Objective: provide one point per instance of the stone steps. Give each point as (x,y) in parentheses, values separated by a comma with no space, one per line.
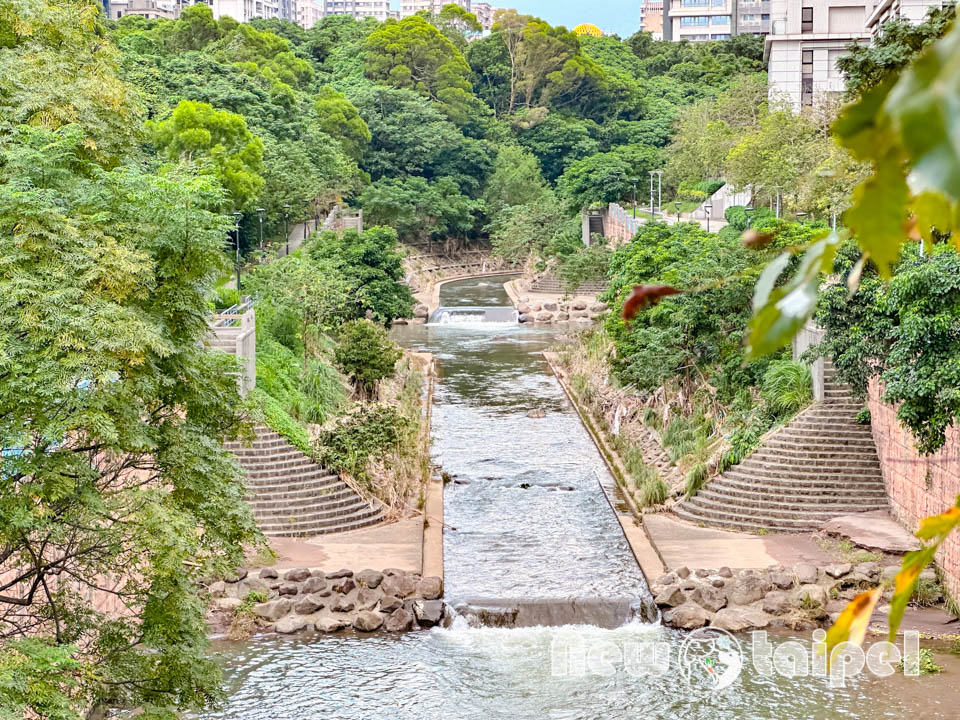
(292,496)
(820,465)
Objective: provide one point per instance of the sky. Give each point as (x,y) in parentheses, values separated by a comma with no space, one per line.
(620,16)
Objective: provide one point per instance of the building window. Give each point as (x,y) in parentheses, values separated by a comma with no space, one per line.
(806,91)
(806,19)
(694,20)
(721,19)
(694,3)
(806,62)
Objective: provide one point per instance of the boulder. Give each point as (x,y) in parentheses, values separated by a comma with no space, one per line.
(536,307)
(290,624)
(550,306)
(227,603)
(367,621)
(746,589)
(394,571)
(217,589)
(889,573)
(272,610)
(874,531)
(523,308)
(430,588)
(330,624)
(776,602)
(562,317)
(580,315)
(738,619)
(781,580)
(367,599)
(296,575)
(709,597)
(314,584)
(579,305)
(399,620)
(687,616)
(668,579)
(390,603)
(682,572)
(237,576)
(868,569)
(421,311)
(725,572)
(428,612)
(342,604)
(336,575)
(343,585)
(308,604)
(809,596)
(718,582)
(701,573)
(369,578)
(399,585)
(805,573)
(288,588)
(525,318)
(838,570)
(544,317)
(269,573)
(598,307)
(672,596)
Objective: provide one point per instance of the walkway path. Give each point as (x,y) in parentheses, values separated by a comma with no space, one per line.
(296,237)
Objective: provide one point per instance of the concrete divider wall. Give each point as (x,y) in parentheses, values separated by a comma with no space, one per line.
(918,486)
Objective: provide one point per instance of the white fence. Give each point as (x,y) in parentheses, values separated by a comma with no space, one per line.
(234,331)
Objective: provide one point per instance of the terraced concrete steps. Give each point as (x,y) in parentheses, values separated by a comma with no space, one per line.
(820,465)
(292,496)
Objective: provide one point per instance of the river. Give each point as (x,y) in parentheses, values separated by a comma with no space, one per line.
(531,531)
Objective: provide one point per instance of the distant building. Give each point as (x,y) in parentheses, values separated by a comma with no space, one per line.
(651,17)
(752,17)
(807,37)
(309,12)
(700,20)
(150,9)
(484,12)
(412,7)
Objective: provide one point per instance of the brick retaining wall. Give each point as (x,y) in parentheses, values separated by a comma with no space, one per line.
(918,485)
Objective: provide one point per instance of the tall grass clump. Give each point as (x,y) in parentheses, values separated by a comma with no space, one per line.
(787,386)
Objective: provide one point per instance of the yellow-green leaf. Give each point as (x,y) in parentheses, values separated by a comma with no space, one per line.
(913,564)
(933,211)
(851,626)
(878,212)
(941,524)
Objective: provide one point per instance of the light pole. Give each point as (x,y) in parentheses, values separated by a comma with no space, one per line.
(236,234)
(286,234)
(677,205)
(800,217)
(634,183)
(306,220)
(659,191)
(707,209)
(652,173)
(748,211)
(260,215)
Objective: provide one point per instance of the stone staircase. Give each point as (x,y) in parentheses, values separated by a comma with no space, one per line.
(820,465)
(292,496)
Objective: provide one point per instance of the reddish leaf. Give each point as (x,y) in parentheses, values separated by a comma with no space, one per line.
(645,296)
(757,240)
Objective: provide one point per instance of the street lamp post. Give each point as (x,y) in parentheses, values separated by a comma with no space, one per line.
(260,212)
(652,173)
(634,198)
(286,231)
(659,191)
(236,234)
(801,216)
(707,209)
(748,211)
(677,205)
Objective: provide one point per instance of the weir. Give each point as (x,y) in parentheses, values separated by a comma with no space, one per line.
(467,315)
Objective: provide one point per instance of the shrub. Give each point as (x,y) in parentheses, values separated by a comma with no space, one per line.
(365,353)
(786,386)
(696,479)
(268,410)
(863,416)
(309,396)
(225,297)
(366,433)
(654,491)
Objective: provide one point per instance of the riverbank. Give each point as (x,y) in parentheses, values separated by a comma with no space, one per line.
(740,581)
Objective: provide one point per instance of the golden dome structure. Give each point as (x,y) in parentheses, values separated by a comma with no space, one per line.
(588,29)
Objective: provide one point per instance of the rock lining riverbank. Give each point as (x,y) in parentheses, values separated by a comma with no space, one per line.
(304,599)
(803,597)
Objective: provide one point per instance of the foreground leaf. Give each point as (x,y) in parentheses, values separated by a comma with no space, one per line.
(851,626)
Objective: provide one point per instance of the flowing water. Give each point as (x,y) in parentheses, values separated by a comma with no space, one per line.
(531,536)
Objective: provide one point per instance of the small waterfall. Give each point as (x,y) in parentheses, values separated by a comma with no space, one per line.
(473,315)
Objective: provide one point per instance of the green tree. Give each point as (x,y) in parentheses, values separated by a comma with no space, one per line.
(365,353)
(197,132)
(457,24)
(112,412)
(416,207)
(413,54)
(372,266)
(194,30)
(340,119)
(516,180)
(607,177)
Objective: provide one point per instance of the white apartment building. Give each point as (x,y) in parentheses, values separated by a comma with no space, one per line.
(379,9)
(484,12)
(309,13)
(651,17)
(246,10)
(700,20)
(808,36)
(149,9)
(752,17)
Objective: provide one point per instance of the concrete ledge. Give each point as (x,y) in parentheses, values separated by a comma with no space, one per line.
(432,534)
(434,302)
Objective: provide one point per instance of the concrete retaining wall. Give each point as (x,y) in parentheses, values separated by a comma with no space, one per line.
(918,485)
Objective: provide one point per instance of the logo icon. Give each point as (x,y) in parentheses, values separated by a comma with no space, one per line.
(710,660)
